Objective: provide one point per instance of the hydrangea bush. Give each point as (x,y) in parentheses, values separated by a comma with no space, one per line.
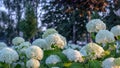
(53,51)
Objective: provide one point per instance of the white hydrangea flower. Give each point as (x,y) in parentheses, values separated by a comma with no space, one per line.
(2,45)
(104,36)
(95,25)
(108,63)
(32,63)
(92,50)
(49,32)
(57,40)
(116,62)
(41,43)
(73,46)
(111,63)
(23,46)
(53,59)
(17,40)
(116,30)
(73,55)
(8,55)
(34,52)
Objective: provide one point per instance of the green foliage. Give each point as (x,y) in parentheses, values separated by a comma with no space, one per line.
(29,25)
(67,64)
(94,64)
(55,65)
(1,65)
(93,36)
(18,66)
(54,52)
(76,65)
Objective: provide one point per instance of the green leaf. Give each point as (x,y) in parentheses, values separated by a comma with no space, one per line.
(77,65)
(18,66)
(94,64)
(56,65)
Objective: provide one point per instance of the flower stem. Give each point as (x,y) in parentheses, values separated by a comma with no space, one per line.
(8,65)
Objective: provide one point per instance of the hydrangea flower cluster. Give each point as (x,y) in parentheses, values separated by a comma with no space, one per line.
(92,50)
(108,63)
(8,55)
(95,25)
(53,59)
(2,45)
(41,43)
(116,62)
(73,55)
(17,40)
(57,40)
(49,32)
(73,46)
(34,52)
(116,30)
(104,36)
(32,63)
(111,63)
(22,47)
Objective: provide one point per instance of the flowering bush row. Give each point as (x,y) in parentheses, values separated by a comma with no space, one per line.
(53,51)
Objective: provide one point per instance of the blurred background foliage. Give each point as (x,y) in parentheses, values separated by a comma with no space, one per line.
(68,17)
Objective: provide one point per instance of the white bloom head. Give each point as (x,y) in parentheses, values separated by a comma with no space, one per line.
(116,30)
(73,46)
(92,50)
(111,63)
(41,43)
(17,40)
(2,45)
(23,46)
(53,59)
(104,36)
(8,55)
(73,55)
(34,52)
(57,40)
(32,63)
(108,63)
(95,25)
(116,62)
(49,32)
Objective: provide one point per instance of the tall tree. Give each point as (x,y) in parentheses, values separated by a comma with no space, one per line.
(29,25)
(71,25)
(7,28)
(69,17)
(19,6)
(15,6)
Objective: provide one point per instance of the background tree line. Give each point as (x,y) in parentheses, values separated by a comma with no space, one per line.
(69,17)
